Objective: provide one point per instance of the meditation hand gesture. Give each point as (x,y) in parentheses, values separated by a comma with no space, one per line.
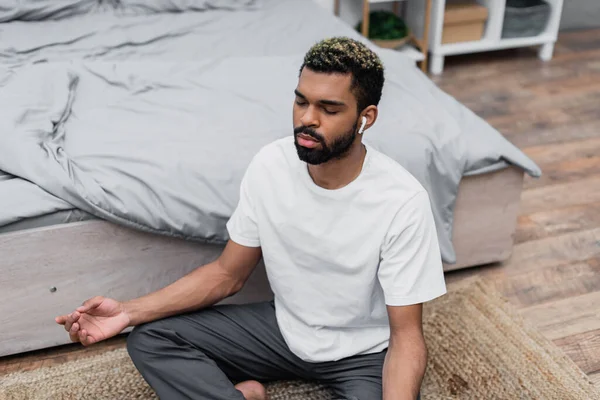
(99,318)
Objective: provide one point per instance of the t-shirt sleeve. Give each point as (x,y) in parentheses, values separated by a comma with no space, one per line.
(243,225)
(410,269)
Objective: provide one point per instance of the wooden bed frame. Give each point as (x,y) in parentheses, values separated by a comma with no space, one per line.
(50,271)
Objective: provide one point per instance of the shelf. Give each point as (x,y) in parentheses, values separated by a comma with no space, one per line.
(418,50)
(490,44)
(492,36)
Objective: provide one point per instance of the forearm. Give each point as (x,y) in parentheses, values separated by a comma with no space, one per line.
(200,288)
(404,368)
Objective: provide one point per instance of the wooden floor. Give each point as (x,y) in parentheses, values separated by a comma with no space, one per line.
(552,112)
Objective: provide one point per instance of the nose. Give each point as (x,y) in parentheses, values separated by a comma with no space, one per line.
(310,118)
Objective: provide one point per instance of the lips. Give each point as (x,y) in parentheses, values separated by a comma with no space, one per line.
(307,137)
(307,141)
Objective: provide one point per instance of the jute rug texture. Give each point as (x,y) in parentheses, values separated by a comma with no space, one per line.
(479,348)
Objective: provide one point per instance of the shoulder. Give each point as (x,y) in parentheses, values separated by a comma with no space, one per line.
(402,188)
(275,157)
(275,152)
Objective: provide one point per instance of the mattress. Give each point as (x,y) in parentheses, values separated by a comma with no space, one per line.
(42,221)
(106,82)
(27,206)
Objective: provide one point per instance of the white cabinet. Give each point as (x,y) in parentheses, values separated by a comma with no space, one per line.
(492,38)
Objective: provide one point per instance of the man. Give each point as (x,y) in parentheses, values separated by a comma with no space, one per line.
(350,249)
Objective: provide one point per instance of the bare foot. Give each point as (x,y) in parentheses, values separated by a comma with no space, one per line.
(252,390)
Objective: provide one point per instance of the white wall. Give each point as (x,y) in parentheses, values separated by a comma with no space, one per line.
(580,14)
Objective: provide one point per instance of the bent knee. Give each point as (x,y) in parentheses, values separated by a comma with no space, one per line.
(143,338)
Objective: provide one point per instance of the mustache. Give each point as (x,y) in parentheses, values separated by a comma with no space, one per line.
(310,132)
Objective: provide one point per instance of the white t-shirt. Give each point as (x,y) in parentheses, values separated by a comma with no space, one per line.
(335,258)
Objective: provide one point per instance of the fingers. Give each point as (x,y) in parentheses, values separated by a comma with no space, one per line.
(86,339)
(90,303)
(71,323)
(87,305)
(74,332)
(62,319)
(70,319)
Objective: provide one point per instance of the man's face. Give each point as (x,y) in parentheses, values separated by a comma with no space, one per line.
(325,116)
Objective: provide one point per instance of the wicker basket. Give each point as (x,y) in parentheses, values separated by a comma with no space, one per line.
(525,18)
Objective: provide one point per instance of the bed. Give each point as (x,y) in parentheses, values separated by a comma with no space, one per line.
(128,125)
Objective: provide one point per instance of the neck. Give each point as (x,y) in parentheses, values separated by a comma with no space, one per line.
(337,173)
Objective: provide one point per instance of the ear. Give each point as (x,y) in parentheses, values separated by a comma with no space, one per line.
(370,113)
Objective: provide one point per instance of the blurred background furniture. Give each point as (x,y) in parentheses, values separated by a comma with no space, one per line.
(414,47)
(506,23)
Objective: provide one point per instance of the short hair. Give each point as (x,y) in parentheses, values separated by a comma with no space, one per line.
(344,55)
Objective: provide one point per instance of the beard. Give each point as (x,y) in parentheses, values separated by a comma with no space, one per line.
(336,150)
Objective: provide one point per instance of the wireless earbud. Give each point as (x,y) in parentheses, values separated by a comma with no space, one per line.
(362,126)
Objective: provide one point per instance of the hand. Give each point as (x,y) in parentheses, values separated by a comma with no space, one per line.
(99,318)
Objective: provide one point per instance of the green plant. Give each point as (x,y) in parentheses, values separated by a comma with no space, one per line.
(385,25)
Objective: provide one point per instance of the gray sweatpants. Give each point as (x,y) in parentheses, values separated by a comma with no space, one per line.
(198,355)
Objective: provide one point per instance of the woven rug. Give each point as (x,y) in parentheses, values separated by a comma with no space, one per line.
(479,349)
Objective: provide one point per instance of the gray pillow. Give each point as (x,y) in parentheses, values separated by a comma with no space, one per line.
(39,10)
(140,7)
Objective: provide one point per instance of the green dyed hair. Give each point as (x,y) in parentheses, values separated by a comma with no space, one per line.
(343,55)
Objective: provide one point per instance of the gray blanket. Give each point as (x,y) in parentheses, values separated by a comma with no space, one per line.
(131,133)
